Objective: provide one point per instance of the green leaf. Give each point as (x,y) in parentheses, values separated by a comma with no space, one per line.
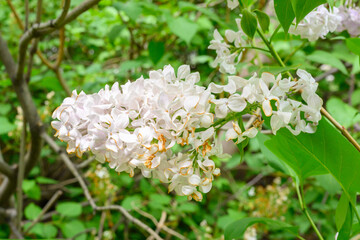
(45,180)
(32,211)
(355,97)
(345,231)
(69,209)
(263,19)
(5,108)
(303,7)
(237,229)
(131,8)
(183,28)
(6,126)
(31,189)
(327,58)
(156,51)
(329,183)
(114,32)
(285,13)
(341,211)
(131,201)
(354,45)
(248,23)
(327,147)
(273,160)
(69,229)
(342,112)
(241,147)
(46,231)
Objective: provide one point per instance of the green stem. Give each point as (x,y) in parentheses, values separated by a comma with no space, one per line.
(304,209)
(241,123)
(275,32)
(295,51)
(271,49)
(256,48)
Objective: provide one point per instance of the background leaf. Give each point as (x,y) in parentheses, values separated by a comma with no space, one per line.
(69,209)
(32,211)
(342,112)
(183,28)
(237,229)
(323,57)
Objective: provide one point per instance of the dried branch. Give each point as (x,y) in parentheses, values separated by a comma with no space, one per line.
(48,205)
(22,89)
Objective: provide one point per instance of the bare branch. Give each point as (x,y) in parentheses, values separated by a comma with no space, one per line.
(26,15)
(63,14)
(20,175)
(42,29)
(15,231)
(22,90)
(7,59)
(164,227)
(13,10)
(58,72)
(44,210)
(5,168)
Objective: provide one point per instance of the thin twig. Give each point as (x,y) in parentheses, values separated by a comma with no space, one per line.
(153,219)
(330,72)
(15,72)
(33,48)
(81,233)
(26,15)
(160,224)
(101,225)
(85,163)
(351,88)
(15,231)
(48,205)
(341,128)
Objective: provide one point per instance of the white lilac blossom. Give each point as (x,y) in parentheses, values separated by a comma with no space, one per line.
(228,50)
(350,20)
(136,125)
(232,4)
(272,95)
(318,23)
